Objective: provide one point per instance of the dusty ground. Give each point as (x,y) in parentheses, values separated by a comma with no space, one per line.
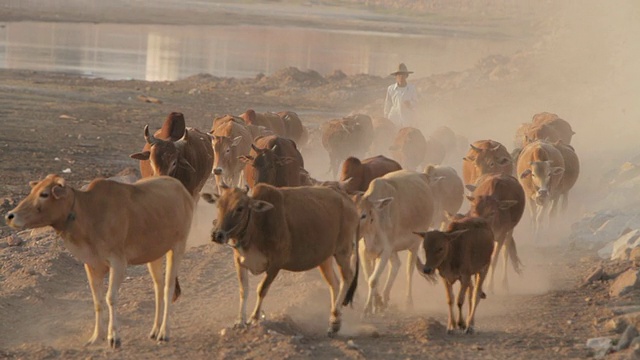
(52,122)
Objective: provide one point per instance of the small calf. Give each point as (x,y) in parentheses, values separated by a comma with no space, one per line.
(460,253)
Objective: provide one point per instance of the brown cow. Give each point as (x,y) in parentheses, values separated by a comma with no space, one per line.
(362,172)
(273,160)
(349,136)
(486,157)
(500,200)
(189,159)
(293,128)
(270,121)
(461,253)
(294,229)
(409,148)
(448,192)
(435,152)
(560,126)
(172,129)
(571,171)
(382,139)
(540,168)
(230,140)
(112,225)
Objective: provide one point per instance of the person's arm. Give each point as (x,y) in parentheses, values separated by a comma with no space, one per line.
(387,104)
(411,100)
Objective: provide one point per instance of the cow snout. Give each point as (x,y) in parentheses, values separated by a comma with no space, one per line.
(217,171)
(218,237)
(9,217)
(543,192)
(427,270)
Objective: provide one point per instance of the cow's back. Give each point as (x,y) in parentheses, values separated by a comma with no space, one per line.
(571,166)
(311,216)
(471,250)
(412,206)
(449,191)
(409,147)
(372,168)
(156,207)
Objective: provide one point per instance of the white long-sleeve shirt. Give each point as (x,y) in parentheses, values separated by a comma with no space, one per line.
(395,108)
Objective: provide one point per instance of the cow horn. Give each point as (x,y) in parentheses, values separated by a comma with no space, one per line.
(274,147)
(475,148)
(184,138)
(255,148)
(495,148)
(151,140)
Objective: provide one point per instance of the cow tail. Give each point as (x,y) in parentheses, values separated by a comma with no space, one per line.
(177,291)
(348,299)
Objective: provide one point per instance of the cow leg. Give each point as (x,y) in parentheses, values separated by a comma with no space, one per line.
(95,275)
(497,246)
(464,288)
(394,261)
(116,276)
(477,292)
(155,270)
(411,261)
(373,280)
(448,287)
(243,281)
(174,257)
(326,269)
(262,292)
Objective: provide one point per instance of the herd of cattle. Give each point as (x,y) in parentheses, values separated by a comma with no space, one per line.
(276,216)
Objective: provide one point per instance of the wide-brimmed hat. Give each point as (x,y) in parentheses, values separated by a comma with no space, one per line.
(402,69)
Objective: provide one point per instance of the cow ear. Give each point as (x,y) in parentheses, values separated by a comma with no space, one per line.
(525,173)
(422,234)
(557,171)
(141,155)
(505,204)
(469,158)
(381,203)
(210,198)
(260,205)
(58,191)
(247,159)
(236,140)
(357,196)
(470,187)
(33,183)
(284,160)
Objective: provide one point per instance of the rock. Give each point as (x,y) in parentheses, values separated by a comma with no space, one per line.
(634,256)
(601,346)
(635,348)
(14,240)
(625,282)
(352,345)
(622,246)
(596,274)
(617,325)
(629,334)
(606,251)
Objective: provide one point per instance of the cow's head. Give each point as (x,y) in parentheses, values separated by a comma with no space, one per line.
(165,156)
(225,156)
(488,206)
(490,160)
(50,202)
(352,174)
(265,163)
(437,246)
(540,174)
(371,214)
(235,207)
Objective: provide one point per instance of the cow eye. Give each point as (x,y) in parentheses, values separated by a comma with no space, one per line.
(228,151)
(491,164)
(44,195)
(239,209)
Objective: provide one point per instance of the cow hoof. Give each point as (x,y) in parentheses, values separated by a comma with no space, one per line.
(469,330)
(92,340)
(483,295)
(449,331)
(240,325)
(114,343)
(462,325)
(153,335)
(163,339)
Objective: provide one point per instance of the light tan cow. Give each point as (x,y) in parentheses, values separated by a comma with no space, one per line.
(462,253)
(393,207)
(230,139)
(448,192)
(486,157)
(112,225)
(294,229)
(540,168)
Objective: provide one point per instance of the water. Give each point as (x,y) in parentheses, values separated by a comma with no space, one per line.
(169,52)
